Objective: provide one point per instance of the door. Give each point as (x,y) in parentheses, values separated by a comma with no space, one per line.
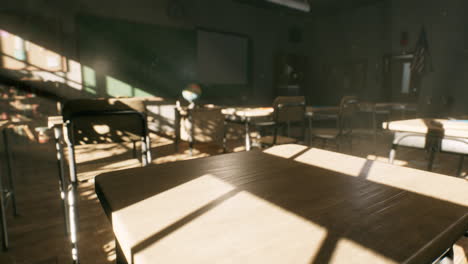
(400,83)
(290,74)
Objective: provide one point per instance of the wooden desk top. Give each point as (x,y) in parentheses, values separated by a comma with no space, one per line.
(54,121)
(451,128)
(266,111)
(248,111)
(289,204)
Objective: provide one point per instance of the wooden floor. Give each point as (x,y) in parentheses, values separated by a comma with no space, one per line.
(37,235)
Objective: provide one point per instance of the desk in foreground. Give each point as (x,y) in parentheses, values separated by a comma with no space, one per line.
(289,204)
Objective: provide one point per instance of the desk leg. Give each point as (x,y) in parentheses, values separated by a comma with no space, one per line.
(144,152)
(374,127)
(148,148)
(191,133)
(431,159)
(460,165)
(177,130)
(3,219)
(224,136)
(11,187)
(391,156)
(72,199)
(247,136)
(61,170)
(73,218)
(134,152)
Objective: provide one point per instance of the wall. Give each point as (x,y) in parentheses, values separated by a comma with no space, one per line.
(445,22)
(343,41)
(370,32)
(266,28)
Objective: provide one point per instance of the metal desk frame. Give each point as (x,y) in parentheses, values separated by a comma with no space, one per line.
(63,133)
(7,193)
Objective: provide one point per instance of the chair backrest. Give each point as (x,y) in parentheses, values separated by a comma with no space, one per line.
(206,123)
(289,109)
(348,107)
(92,121)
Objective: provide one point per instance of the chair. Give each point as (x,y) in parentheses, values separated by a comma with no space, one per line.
(288,110)
(344,124)
(199,124)
(92,121)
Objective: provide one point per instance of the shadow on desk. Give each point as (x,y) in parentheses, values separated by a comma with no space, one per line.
(297,201)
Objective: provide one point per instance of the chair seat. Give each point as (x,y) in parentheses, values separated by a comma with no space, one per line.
(326,133)
(268,140)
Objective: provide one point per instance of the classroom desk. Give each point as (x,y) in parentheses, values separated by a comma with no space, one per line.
(288,204)
(435,135)
(244,116)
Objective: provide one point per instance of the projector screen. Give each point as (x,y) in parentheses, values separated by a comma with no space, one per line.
(222,58)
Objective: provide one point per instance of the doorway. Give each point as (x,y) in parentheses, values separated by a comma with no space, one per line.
(400,84)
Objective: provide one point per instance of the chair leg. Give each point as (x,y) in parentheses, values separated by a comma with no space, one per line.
(134,152)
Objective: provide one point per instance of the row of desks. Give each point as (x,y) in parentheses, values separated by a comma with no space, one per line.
(246,115)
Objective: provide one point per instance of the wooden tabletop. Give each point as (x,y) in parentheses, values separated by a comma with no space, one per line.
(248,111)
(54,121)
(445,127)
(289,204)
(266,111)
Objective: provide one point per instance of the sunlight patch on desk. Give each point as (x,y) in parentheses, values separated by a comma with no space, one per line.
(416,181)
(350,252)
(247,236)
(283,152)
(167,207)
(385,159)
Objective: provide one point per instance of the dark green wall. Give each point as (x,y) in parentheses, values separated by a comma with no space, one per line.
(134,59)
